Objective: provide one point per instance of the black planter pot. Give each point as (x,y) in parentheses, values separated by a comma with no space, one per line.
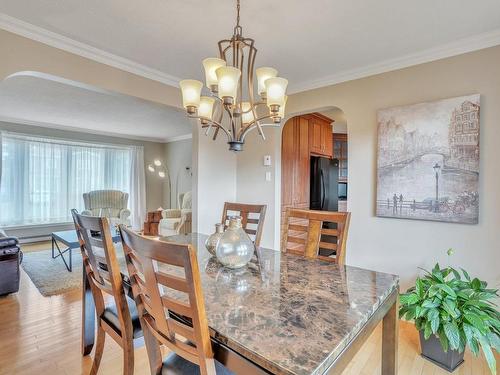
(432,350)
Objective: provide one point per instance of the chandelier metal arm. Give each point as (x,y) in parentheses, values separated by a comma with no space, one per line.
(252,127)
(212,123)
(254,124)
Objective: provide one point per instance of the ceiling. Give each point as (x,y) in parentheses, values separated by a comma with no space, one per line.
(313,43)
(43,100)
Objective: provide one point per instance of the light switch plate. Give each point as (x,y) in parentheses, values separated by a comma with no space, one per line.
(267,160)
(268,176)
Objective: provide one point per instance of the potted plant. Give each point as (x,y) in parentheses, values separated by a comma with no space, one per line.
(453,311)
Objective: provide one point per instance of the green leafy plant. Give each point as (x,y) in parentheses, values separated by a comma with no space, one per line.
(457,309)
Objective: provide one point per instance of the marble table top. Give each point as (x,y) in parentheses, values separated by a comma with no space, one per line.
(288,314)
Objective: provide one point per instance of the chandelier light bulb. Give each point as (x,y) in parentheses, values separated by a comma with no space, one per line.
(211,64)
(275,90)
(157,162)
(191,91)
(246,113)
(206,107)
(161,174)
(151,168)
(263,74)
(228,78)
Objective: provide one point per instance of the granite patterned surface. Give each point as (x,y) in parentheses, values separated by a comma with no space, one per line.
(288,314)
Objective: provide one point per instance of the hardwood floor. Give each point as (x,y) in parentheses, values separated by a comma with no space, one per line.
(42,335)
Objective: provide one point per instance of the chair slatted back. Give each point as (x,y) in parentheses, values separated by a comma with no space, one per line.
(316,234)
(101,266)
(252,218)
(165,280)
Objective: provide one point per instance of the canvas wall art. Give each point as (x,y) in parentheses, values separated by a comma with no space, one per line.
(428,161)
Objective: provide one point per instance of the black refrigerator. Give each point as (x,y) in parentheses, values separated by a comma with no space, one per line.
(324,193)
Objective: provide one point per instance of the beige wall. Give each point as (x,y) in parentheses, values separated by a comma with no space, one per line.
(392,245)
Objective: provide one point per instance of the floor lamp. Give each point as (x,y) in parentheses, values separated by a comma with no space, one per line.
(157,167)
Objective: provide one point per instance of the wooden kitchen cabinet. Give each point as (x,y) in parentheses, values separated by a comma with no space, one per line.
(320,135)
(295,162)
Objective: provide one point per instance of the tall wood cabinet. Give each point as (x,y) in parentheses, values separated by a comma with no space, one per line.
(295,163)
(302,137)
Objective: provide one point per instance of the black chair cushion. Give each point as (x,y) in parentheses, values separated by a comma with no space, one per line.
(176,365)
(110,316)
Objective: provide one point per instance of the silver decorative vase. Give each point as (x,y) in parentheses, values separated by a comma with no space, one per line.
(213,239)
(235,248)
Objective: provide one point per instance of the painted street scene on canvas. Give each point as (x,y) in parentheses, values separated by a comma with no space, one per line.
(428,161)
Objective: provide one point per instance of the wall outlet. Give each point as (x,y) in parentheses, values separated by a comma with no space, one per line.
(268,176)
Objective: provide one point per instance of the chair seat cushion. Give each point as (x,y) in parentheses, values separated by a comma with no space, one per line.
(176,365)
(110,316)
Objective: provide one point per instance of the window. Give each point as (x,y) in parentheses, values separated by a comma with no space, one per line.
(43,179)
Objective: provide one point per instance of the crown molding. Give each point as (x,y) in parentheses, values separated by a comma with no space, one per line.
(52,39)
(47,125)
(178,138)
(470,44)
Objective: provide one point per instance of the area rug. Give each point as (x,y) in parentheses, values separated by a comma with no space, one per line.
(51,277)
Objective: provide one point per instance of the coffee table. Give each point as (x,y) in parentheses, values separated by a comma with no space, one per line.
(70,240)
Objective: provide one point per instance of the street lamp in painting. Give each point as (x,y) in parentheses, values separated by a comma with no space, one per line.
(437,168)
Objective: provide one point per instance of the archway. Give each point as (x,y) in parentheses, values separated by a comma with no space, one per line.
(303,143)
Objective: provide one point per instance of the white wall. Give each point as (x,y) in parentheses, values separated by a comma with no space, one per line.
(252,186)
(214,179)
(394,245)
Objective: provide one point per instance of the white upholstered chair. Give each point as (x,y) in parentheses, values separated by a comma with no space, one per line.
(177,220)
(111,204)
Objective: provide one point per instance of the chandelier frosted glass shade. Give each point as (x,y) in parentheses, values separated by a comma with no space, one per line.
(228,78)
(231,108)
(246,113)
(275,91)
(210,65)
(191,91)
(263,74)
(206,107)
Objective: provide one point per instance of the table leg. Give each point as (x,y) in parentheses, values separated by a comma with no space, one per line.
(390,326)
(88,317)
(52,237)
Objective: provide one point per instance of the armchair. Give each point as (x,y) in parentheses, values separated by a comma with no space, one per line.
(108,203)
(177,221)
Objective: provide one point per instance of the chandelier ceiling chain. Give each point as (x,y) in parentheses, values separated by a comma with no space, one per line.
(227,108)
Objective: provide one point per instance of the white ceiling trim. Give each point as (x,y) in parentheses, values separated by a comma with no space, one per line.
(470,44)
(48,125)
(52,39)
(178,138)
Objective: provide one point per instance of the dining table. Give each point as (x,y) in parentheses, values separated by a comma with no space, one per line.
(286,314)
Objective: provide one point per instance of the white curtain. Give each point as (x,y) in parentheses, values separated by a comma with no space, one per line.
(44,178)
(137,188)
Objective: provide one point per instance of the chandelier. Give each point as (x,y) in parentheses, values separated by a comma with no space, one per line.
(230,107)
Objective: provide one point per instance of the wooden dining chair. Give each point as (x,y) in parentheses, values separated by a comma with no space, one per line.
(316,234)
(165,281)
(252,218)
(119,319)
